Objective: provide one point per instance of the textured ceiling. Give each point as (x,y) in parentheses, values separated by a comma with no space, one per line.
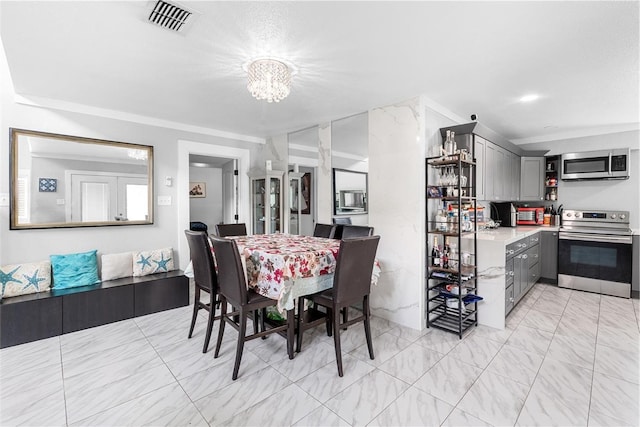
(469,57)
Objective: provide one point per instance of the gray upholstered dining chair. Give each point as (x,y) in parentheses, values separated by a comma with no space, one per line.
(324,230)
(232,288)
(351,285)
(349,231)
(227,230)
(205,278)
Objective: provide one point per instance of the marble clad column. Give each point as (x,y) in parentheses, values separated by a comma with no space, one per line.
(324,198)
(275,149)
(396,210)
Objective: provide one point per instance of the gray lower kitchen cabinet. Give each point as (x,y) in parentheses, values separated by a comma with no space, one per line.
(509,300)
(522,265)
(532,178)
(549,255)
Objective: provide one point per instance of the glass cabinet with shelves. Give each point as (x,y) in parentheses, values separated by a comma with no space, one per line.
(266,203)
(451,291)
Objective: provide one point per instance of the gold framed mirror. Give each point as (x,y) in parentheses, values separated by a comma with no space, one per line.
(68,181)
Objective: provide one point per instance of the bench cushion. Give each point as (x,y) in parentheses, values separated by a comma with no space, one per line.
(115,266)
(27,278)
(71,270)
(151,262)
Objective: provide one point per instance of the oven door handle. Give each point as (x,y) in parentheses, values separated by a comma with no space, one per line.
(609,162)
(595,238)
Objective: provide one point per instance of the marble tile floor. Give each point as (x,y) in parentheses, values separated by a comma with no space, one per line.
(566,358)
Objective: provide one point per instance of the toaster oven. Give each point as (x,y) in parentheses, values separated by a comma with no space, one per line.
(530,216)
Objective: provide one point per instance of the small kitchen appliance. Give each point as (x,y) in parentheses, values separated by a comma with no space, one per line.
(530,216)
(595,252)
(505,212)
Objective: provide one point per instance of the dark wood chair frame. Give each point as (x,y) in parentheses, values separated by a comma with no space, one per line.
(233,289)
(324,230)
(205,279)
(350,231)
(228,230)
(351,285)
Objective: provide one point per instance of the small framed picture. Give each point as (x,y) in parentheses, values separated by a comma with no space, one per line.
(197,189)
(48,185)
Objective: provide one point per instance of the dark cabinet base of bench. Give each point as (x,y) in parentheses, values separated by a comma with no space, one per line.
(38,316)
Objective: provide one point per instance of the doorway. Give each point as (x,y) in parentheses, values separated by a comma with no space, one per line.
(217,199)
(242,161)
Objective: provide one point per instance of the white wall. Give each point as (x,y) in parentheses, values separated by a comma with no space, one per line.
(207,209)
(606,195)
(33,245)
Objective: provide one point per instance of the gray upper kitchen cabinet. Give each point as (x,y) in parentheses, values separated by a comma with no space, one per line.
(512,188)
(479,151)
(532,178)
(489,170)
(500,176)
(499,173)
(495,171)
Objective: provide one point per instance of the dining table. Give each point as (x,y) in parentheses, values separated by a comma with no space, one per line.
(285,267)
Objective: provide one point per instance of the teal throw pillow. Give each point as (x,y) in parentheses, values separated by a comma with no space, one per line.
(74,270)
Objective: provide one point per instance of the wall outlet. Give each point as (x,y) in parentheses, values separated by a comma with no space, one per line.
(164,200)
(4,199)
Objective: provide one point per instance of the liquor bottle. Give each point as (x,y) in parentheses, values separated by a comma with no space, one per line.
(454,146)
(448,144)
(445,256)
(435,254)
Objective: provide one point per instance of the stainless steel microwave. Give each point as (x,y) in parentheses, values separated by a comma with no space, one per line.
(602,164)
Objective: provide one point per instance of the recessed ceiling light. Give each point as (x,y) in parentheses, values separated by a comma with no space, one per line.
(529,98)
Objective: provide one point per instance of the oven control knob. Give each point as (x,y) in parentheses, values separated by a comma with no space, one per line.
(622,216)
(614,216)
(578,214)
(569,214)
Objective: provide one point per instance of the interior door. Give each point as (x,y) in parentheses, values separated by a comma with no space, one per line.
(230,192)
(93,198)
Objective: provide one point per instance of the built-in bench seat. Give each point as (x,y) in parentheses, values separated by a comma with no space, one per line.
(32,317)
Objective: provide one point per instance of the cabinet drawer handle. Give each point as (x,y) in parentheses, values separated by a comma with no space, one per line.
(511,273)
(511,299)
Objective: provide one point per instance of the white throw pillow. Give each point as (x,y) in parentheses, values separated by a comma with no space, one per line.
(27,278)
(115,266)
(150,262)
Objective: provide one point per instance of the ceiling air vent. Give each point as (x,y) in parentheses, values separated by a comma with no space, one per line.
(169,16)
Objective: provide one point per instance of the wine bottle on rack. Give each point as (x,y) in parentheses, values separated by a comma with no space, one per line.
(445,257)
(435,253)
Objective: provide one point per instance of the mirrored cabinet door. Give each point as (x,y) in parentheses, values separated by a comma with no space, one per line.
(295,202)
(266,200)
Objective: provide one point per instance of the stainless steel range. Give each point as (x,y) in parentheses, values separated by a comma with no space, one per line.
(595,250)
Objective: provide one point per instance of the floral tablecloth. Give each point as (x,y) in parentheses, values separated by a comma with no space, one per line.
(286,266)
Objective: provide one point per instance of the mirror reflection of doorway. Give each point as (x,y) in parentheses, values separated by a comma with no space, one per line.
(220,204)
(97,197)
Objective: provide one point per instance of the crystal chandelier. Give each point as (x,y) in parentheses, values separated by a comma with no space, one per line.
(269,79)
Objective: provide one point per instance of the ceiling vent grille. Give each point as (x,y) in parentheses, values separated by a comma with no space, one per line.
(169,16)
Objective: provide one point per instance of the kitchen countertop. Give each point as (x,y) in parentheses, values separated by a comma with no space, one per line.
(508,235)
